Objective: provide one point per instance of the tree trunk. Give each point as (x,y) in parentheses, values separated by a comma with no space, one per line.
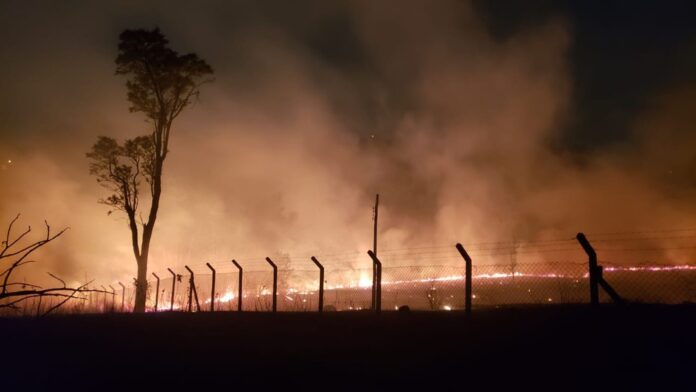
(148,228)
(141,286)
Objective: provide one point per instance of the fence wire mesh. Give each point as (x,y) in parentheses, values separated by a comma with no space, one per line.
(641,268)
(430,287)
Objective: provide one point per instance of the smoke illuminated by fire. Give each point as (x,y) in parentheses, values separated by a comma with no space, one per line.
(282,156)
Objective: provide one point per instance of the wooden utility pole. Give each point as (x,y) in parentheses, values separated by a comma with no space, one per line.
(374,250)
(374,240)
(378,280)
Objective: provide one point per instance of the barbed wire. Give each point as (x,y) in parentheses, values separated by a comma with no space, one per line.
(609,242)
(673,230)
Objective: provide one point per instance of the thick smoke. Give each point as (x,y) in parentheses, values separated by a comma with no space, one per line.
(316,108)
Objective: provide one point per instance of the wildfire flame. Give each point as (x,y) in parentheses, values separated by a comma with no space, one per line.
(365,282)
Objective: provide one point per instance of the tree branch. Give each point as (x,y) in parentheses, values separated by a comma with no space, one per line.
(18,265)
(27,251)
(57,278)
(7,244)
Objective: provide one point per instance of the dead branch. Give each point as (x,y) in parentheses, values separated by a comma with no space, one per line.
(57,278)
(7,244)
(23,284)
(23,253)
(10,248)
(18,265)
(72,295)
(63,292)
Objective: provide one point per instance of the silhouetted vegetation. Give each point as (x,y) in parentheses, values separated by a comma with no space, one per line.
(14,254)
(161,84)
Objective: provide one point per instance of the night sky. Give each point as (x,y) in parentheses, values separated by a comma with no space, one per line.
(623,53)
(477,120)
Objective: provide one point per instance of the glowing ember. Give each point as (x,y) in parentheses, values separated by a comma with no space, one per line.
(227,297)
(365,282)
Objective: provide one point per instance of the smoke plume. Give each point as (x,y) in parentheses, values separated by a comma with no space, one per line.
(315,109)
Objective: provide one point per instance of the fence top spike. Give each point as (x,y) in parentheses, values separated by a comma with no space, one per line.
(463,252)
(374,258)
(210,266)
(314,259)
(268,259)
(586,245)
(188,269)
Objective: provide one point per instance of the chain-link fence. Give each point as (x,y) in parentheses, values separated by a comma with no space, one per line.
(435,287)
(431,278)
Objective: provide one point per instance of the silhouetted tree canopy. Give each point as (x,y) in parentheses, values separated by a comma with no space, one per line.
(160,84)
(120,168)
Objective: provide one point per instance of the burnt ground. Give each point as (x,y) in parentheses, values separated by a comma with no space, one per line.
(560,348)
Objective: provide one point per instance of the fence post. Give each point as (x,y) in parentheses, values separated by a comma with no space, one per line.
(592,255)
(239,285)
(91,300)
(156,290)
(104,302)
(467,282)
(171,306)
(105,292)
(377,280)
(123,295)
(607,287)
(212,294)
(275,282)
(192,290)
(113,297)
(321,283)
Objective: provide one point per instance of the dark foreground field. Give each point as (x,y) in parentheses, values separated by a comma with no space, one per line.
(560,348)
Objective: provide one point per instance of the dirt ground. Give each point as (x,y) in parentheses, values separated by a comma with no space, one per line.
(561,348)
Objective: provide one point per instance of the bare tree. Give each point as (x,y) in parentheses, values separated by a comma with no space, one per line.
(161,83)
(14,254)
